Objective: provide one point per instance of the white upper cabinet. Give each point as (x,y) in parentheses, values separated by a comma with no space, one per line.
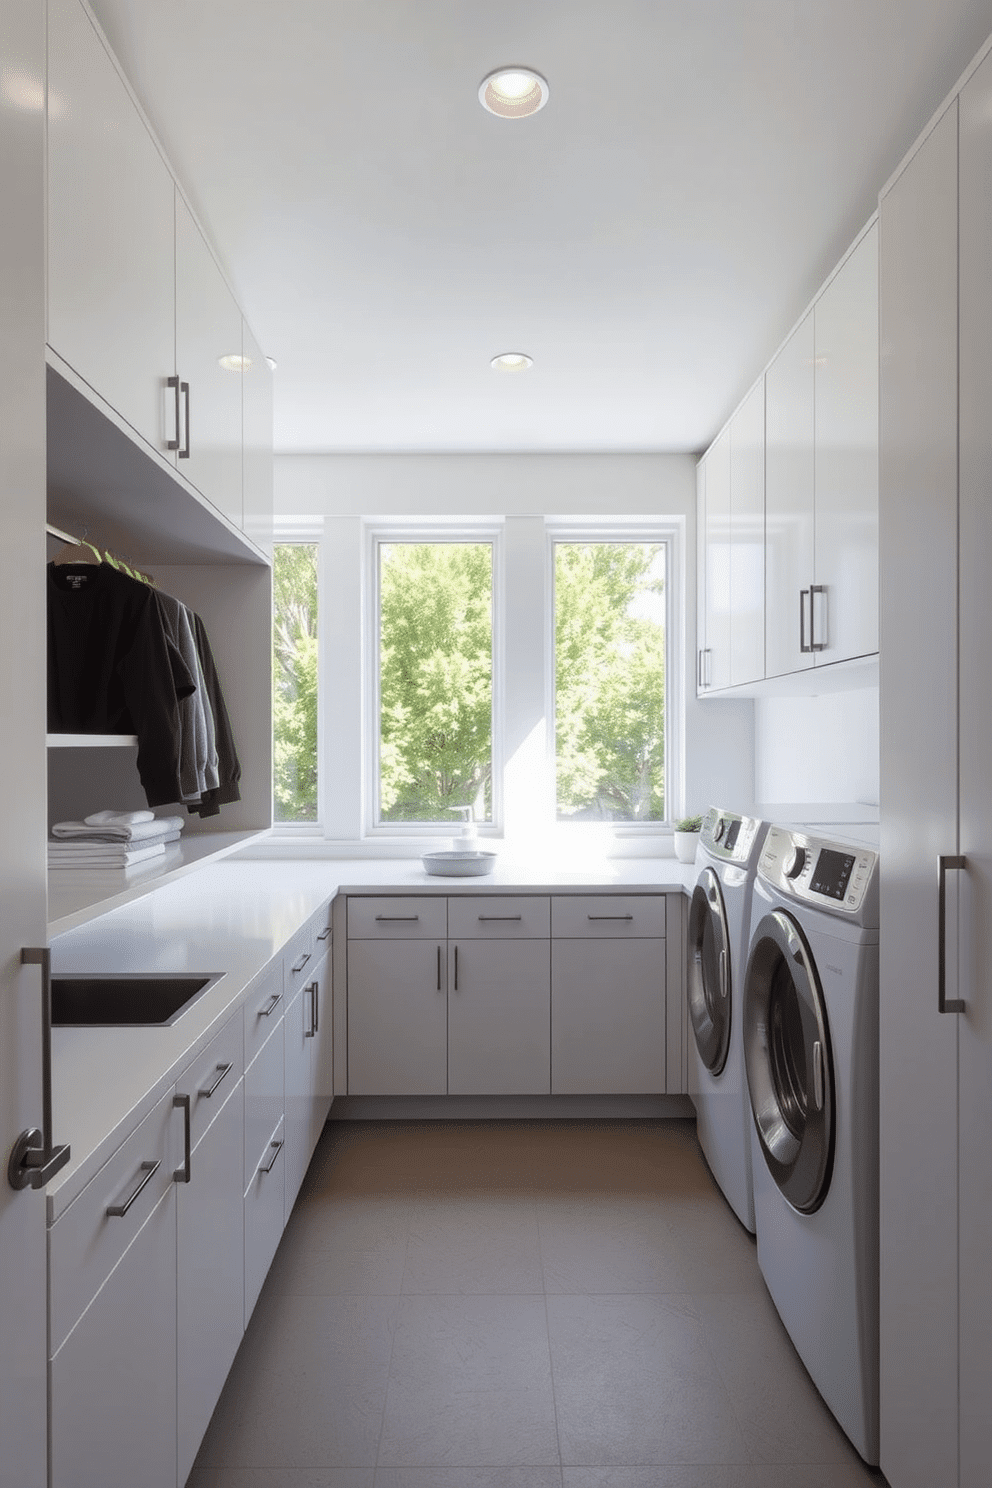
(111,232)
(208,329)
(845,451)
(800,507)
(715,531)
(747,538)
(788,498)
(256,387)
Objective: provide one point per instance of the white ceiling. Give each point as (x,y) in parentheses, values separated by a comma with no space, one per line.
(649,237)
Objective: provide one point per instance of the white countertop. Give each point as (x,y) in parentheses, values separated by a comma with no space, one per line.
(233,917)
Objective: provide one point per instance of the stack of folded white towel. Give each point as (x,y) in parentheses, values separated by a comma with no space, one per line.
(111,839)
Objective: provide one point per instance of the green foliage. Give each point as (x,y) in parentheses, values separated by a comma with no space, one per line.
(610,681)
(294,673)
(689,824)
(435,671)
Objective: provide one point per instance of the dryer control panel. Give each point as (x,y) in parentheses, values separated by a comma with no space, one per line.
(726,835)
(834,875)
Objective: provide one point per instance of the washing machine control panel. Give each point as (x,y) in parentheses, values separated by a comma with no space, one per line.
(726,835)
(836,875)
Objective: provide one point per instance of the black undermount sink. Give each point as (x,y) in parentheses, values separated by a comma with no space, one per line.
(141,999)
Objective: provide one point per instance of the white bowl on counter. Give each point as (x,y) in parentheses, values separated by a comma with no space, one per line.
(466,864)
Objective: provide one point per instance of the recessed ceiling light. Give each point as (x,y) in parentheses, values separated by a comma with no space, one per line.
(513,92)
(511,361)
(235,362)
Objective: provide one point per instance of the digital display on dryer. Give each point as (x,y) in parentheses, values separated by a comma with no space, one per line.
(832,873)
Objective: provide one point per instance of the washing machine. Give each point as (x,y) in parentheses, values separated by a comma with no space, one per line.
(719,923)
(811,1057)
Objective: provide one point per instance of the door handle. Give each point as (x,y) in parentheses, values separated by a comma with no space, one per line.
(803,645)
(945,864)
(183,1102)
(818,1075)
(184,389)
(34,1158)
(309,1032)
(173,383)
(222,1070)
(814,590)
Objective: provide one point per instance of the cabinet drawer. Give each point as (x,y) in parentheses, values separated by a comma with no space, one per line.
(263,1008)
(499,917)
(209,1080)
(399,918)
(601,916)
(86,1243)
(264,1097)
(265,1201)
(299,956)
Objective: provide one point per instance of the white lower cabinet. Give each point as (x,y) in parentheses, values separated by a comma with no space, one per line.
(527,995)
(210,1269)
(265,1165)
(499,1017)
(113,1319)
(298,1085)
(397,1017)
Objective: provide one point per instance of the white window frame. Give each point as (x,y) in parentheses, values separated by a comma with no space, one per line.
(309,532)
(427,530)
(668,533)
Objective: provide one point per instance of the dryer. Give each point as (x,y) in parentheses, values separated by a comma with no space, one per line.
(719,923)
(811,1055)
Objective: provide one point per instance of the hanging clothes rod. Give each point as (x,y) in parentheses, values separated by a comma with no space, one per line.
(66,537)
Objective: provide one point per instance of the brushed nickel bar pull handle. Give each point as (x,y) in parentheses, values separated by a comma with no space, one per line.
(818,1075)
(222,1070)
(609,917)
(324,934)
(456,968)
(173,382)
(814,644)
(184,389)
(149,1168)
(803,646)
(270,1006)
(267,1167)
(185,1173)
(301,963)
(945,864)
(34,1158)
(439,968)
(699,670)
(316,1006)
(309,1032)
(485,919)
(396,919)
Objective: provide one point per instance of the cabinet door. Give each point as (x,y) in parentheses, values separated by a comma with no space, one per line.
(208,328)
(23,1460)
(788,499)
(265,1214)
(747,539)
(322,1053)
(397,1017)
(211,1273)
(701,576)
(919,760)
(256,393)
(608,1017)
(299,1085)
(499,1017)
(111,231)
(113,1381)
(975,1026)
(716,662)
(846,458)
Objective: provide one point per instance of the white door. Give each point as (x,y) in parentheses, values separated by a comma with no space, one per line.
(845,614)
(717,543)
(788,501)
(975,1023)
(23,1326)
(747,538)
(918,1053)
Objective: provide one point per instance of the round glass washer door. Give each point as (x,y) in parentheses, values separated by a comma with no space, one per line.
(709,990)
(789,1066)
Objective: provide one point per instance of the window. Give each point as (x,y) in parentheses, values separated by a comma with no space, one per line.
(433,681)
(610,638)
(294,681)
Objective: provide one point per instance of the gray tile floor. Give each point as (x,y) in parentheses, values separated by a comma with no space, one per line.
(518,1305)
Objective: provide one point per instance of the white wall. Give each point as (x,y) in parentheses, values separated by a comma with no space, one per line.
(718,739)
(818,751)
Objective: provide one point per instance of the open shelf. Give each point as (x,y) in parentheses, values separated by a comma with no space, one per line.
(78,895)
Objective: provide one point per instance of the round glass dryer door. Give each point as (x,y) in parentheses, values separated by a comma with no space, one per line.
(709,989)
(789,1066)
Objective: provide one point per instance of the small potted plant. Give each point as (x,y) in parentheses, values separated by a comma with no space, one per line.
(686,836)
